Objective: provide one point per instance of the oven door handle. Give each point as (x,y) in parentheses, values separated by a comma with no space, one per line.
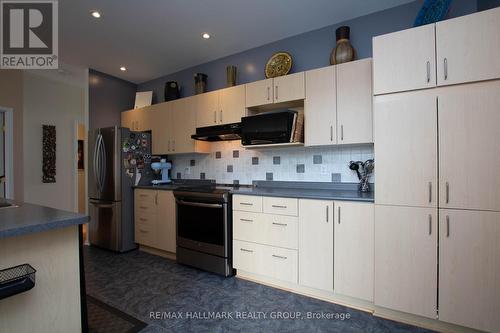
(198,204)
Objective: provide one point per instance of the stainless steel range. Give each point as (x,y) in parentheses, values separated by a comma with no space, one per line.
(204,228)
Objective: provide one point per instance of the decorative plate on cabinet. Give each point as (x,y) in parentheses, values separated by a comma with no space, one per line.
(278,65)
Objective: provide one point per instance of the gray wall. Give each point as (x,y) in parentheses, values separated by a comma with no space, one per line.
(108,97)
(309,50)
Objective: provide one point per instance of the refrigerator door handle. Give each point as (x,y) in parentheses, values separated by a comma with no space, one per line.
(100,205)
(95,162)
(102,168)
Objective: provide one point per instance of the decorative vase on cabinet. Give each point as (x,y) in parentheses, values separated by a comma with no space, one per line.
(343,51)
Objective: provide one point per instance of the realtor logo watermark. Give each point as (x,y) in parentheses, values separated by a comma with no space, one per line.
(29,34)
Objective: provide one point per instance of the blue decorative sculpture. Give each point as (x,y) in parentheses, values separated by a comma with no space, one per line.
(432,11)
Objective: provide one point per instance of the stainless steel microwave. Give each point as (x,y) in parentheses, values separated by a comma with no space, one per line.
(268,128)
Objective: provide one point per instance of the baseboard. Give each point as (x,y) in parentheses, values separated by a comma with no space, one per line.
(158,252)
(357,304)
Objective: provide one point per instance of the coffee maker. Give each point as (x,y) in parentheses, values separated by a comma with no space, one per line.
(162,168)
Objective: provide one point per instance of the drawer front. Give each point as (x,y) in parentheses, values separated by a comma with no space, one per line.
(144,206)
(281,264)
(145,219)
(145,195)
(282,206)
(248,257)
(248,226)
(281,231)
(247,203)
(145,234)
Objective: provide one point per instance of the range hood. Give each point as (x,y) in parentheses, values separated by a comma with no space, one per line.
(218,133)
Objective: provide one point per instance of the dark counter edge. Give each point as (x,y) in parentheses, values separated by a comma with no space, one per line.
(31,229)
(304,190)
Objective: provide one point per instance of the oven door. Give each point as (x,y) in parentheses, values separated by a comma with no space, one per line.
(202,226)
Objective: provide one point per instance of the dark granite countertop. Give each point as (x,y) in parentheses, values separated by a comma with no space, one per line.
(28,218)
(306,190)
(304,193)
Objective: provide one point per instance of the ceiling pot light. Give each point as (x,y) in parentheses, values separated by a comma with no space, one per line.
(205,35)
(95,14)
(123,68)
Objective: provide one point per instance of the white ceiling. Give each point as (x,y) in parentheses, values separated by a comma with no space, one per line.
(158,37)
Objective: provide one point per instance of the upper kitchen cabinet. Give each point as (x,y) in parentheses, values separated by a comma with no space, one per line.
(259,93)
(289,87)
(405,60)
(469,153)
(207,109)
(232,104)
(281,89)
(354,102)
(320,115)
(406,259)
(137,119)
(161,128)
(184,125)
(468,48)
(405,128)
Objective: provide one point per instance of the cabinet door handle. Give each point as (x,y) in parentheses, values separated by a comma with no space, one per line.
(280,224)
(279,257)
(327,214)
(339,213)
(168,145)
(144,231)
(447,192)
(246,204)
(143,219)
(268,93)
(144,195)
(221,116)
(215,117)
(342,132)
(246,220)
(430,224)
(447,226)
(331,133)
(143,207)
(246,250)
(445,61)
(173,145)
(430,192)
(276,93)
(428,71)
(278,206)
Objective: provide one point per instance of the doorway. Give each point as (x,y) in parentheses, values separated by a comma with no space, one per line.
(6,151)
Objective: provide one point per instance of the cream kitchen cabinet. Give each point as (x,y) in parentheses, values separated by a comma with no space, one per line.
(354,102)
(353,249)
(207,109)
(316,244)
(161,128)
(155,219)
(469,274)
(137,119)
(406,259)
(468,48)
(320,107)
(405,131)
(184,125)
(285,88)
(469,153)
(404,60)
(220,107)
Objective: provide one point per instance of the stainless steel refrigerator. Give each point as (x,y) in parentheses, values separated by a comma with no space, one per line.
(116,156)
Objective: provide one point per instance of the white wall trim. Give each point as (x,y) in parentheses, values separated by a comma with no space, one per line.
(9,152)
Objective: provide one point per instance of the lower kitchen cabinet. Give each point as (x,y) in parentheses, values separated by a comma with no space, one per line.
(353,249)
(155,219)
(275,262)
(406,259)
(316,244)
(469,273)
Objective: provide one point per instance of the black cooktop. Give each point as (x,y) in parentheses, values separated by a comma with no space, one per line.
(216,188)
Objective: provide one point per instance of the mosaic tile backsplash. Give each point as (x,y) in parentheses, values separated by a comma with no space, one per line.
(230,163)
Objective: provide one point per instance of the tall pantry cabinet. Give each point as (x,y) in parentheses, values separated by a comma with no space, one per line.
(438,168)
